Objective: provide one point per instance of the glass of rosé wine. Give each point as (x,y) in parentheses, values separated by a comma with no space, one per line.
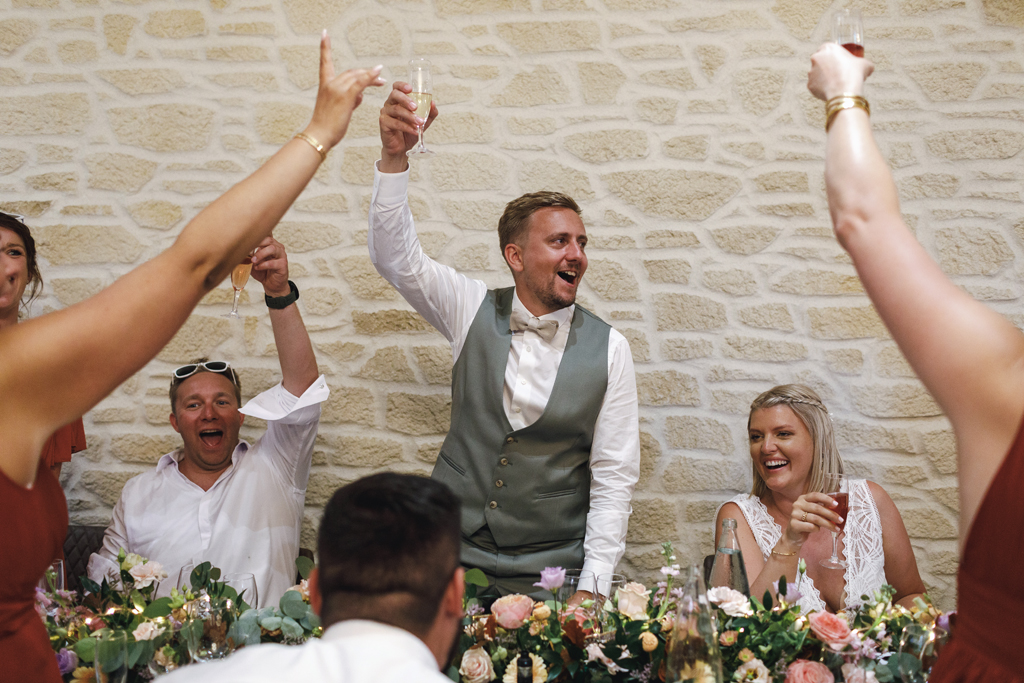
(837,487)
(240,276)
(848,30)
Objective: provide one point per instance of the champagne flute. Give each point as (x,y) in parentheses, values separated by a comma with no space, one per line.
(848,31)
(240,276)
(838,487)
(422,89)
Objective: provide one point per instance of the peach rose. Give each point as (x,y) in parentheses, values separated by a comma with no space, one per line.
(648,641)
(632,600)
(830,629)
(476,666)
(804,671)
(512,611)
(541,612)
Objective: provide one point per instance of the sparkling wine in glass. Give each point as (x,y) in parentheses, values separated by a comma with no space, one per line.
(240,276)
(422,89)
(838,487)
(848,31)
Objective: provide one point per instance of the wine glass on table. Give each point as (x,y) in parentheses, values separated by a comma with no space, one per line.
(848,31)
(422,89)
(240,276)
(244,585)
(838,488)
(919,648)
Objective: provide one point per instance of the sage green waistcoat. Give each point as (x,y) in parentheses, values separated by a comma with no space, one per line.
(530,485)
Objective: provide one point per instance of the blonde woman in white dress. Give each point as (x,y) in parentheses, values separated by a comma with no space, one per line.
(787,516)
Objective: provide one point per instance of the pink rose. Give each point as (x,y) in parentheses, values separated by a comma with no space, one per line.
(476,666)
(512,611)
(830,629)
(804,671)
(854,674)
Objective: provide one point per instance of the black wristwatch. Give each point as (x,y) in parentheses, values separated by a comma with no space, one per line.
(285,301)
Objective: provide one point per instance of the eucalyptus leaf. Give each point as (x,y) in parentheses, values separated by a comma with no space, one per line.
(292,605)
(290,628)
(271,623)
(85,649)
(158,608)
(304,565)
(475,577)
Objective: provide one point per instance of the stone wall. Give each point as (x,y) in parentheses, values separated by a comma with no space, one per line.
(685,129)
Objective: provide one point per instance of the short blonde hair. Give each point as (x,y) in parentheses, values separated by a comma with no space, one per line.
(808,406)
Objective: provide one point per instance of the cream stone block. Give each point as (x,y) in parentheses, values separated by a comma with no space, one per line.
(894,400)
(612,281)
(889,362)
(476,71)
(156,213)
(929,185)
(163,127)
(72,290)
(472,257)
(138,448)
(660,110)
(389,322)
(445,7)
(745,240)
(815,282)
(1003,12)
(117,29)
(419,414)
(365,452)
(178,23)
(758,349)
(903,475)
(940,446)
(75,244)
(322,300)
(976,144)
(923,522)
(734,281)
(653,521)
(299,237)
(278,122)
(87,210)
(16,32)
(325,203)
(550,175)
(11,160)
(845,361)
(667,239)
(602,146)
(322,485)
(469,171)
(388,365)
(947,81)
(199,336)
(58,182)
(670,193)
(28,209)
(374,35)
(248,28)
(303,63)
(873,437)
(54,154)
(645,52)
(669,271)
(362,277)
(948,496)
(677,79)
(750,150)
(349,405)
(124,414)
(686,349)
(531,37)
(104,484)
(639,347)
(461,127)
(737,19)
(51,114)
(260,81)
(446,93)
(121,172)
(543,85)
(712,58)
(428,452)
(357,164)
(972,251)
(650,454)
(474,214)
(851,322)
(310,16)
(194,186)
(77,52)
(688,312)
(667,388)
(782,181)
(704,511)
(760,89)
(687,147)
(767,317)
(685,431)
(437,48)
(913,7)
(341,351)
(435,363)
(800,16)
(688,475)
(238,53)
(10,76)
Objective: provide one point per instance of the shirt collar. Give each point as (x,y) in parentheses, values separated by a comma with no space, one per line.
(561,316)
(168,459)
(362,627)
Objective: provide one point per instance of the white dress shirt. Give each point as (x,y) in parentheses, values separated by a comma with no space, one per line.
(352,651)
(449,301)
(249,520)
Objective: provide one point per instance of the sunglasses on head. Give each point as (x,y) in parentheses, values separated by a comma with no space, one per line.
(14,216)
(215,366)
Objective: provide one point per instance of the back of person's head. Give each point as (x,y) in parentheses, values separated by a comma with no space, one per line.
(515,221)
(809,407)
(389,546)
(16,224)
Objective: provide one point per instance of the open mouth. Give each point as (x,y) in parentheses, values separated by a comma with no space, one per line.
(211,437)
(569,276)
(771,465)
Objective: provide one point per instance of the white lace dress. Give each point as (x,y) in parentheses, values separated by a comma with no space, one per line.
(865,557)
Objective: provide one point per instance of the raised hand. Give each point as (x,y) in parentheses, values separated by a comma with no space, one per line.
(337,97)
(398,121)
(834,71)
(270,267)
(811,511)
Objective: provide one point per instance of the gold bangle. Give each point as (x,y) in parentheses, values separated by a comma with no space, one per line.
(841,102)
(776,552)
(316,145)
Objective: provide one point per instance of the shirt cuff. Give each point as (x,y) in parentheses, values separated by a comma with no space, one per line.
(391,188)
(277,403)
(598,568)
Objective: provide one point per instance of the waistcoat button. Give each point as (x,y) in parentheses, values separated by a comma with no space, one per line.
(494,504)
(504,461)
(509,440)
(499,483)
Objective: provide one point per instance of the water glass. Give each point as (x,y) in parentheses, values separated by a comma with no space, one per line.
(245,585)
(607,600)
(111,657)
(919,648)
(575,580)
(206,630)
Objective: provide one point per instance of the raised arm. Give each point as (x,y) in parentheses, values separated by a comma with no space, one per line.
(50,376)
(969,358)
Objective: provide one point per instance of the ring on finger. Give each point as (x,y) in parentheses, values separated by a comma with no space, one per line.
(804,518)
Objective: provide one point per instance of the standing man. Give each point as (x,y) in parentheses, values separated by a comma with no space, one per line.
(544,441)
(219,499)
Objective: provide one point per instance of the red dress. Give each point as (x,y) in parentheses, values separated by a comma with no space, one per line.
(67,440)
(34,524)
(989,630)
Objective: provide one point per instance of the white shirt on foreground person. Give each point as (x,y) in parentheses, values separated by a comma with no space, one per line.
(248,522)
(449,301)
(353,651)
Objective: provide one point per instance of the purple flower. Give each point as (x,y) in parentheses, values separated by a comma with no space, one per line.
(67,661)
(551,578)
(793,594)
(943,620)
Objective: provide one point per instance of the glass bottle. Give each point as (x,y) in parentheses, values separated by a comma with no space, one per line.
(729,569)
(692,653)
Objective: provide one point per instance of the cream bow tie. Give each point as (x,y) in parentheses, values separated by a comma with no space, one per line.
(523,321)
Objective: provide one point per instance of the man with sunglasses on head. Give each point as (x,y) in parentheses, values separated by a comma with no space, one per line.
(217,498)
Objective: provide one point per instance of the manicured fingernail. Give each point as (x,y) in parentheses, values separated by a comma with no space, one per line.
(840,520)
(323,36)
(377,69)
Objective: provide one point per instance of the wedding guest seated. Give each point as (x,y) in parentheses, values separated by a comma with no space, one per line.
(970,358)
(218,498)
(788,515)
(388,591)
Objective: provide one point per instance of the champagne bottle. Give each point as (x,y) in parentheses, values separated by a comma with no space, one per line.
(729,569)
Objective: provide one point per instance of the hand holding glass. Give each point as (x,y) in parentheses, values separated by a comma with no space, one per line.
(422,89)
(848,31)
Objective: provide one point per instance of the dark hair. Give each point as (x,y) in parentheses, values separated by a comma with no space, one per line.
(515,220)
(229,373)
(388,545)
(35,278)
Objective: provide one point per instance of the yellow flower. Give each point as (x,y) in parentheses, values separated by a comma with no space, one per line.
(649,641)
(83,673)
(541,612)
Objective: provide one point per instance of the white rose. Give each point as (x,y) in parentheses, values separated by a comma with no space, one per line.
(734,603)
(753,671)
(633,600)
(147,630)
(130,560)
(145,574)
(476,666)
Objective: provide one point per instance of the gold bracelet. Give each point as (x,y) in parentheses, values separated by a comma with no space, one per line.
(776,552)
(841,102)
(316,145)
